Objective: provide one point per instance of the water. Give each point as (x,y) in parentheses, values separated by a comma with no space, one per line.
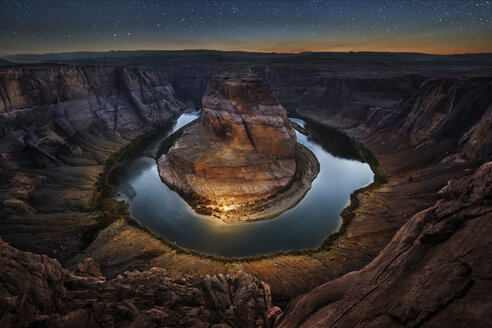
(306,225)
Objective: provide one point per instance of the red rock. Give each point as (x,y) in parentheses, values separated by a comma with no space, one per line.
(89,268)
(35,291)
(243,150)
(435,271)
(271,316)
(240,108)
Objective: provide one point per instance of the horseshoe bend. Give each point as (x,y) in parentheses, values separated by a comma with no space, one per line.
(235,189)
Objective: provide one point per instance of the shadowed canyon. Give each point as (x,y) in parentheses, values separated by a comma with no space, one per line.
(408,242)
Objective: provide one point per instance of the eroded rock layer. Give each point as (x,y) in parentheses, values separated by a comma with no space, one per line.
(431,274)
(243,149)
(36,291)
(58,126)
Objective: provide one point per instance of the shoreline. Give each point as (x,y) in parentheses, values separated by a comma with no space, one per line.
(347,214)
(117,210)
(307,169)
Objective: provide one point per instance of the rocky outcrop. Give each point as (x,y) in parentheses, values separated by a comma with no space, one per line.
(431,274)
(35,290)
(89,268)
(243,150)
(240,108)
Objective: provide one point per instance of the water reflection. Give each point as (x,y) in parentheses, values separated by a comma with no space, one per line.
(305,226)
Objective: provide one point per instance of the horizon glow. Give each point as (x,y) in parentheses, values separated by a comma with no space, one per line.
(438,27)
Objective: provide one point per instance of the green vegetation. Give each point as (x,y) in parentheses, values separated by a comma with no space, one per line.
(103,203)
(348,213)
(111,210)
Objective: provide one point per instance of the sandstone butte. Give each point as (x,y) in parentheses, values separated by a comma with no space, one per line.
(243,149)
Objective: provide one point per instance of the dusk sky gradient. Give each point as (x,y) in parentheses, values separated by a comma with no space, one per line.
(440,27)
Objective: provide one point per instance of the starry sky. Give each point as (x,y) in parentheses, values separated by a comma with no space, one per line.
(440,27)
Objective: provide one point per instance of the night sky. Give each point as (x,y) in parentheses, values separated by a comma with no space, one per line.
(281,26)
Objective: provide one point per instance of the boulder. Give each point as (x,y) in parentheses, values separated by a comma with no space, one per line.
(89,268)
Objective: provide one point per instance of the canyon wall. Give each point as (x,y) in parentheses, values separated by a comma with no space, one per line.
(58,125)
(434,273)
(426,110)
(190,82)
(453,109)
(43,106)
(353,94)
(289,83)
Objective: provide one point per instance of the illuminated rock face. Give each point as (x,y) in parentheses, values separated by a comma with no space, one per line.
(241,109)
(243,149)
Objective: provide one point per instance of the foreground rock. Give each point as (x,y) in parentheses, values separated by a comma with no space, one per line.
(434,273)
(242,151)
(35,291)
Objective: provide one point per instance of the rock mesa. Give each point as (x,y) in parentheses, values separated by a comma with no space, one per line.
(242,150)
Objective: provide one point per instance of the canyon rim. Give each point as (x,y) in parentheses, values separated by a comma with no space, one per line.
(330,165)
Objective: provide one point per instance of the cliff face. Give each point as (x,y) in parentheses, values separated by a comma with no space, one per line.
(434,273)
(58,124)
(477,141)
(452,108)
(243,149)
(190,82)
(42,106)
(289,83)
(101,90)
(425,110)
(353,94)
(241,109)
